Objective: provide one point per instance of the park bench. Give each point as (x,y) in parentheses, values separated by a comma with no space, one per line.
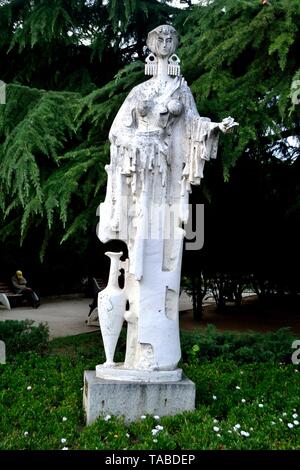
(8,297)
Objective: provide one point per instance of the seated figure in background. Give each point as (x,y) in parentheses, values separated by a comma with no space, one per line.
(20,287)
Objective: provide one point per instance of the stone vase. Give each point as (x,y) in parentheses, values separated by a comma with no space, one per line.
(111,309)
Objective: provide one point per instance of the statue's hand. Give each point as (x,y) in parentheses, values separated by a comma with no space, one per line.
(228,125)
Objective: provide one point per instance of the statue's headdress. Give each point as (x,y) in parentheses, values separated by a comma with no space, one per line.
(151,60)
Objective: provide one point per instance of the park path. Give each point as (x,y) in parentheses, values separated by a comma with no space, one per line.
(65,316)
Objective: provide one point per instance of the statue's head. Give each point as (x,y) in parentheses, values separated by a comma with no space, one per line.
(163,40)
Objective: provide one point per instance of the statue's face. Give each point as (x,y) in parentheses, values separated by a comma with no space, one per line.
(164,45)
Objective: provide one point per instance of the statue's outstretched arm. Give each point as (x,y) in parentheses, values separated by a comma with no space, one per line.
(226,125)
(202,140)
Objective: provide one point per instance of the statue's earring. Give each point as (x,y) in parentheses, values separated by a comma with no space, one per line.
(174,65)
(151,65)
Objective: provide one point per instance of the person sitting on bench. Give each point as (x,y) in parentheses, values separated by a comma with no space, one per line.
(20,286)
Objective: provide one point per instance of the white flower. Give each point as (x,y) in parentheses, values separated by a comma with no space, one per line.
(273,422)
(236,426)
(214,397)
(154,432)
(238,388)
(280,419)
(64,418)
(296,423)
(29,388)
(154,440)
(229,430)
(156,417)
(26,433)
(216,421)
(127,434)
(290,425)
(241,372)
(107,418)
(260,405)
(219,435)
(81,388)
(284,414)
(63,440)
(245,433)
(294,410)
(243,400)
(65,448)
(159,427)
(143,417)
(296,370)
(295,415)
(216,429)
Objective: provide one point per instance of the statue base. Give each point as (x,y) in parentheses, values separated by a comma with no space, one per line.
(121,373)
(131,400)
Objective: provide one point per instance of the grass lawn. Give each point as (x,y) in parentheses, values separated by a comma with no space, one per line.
(240,404)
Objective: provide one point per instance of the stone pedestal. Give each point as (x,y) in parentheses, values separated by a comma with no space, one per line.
(121,373)
(131,400)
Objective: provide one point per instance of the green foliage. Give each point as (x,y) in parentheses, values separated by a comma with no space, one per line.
(242,348)
(73,44)
(21,336)
(44,22)
(241,59)
(53,142)
(40,150)
(58,137)
(69,66)
(248,397)
(41,404)
(36,399)
(41,132)
(123,12)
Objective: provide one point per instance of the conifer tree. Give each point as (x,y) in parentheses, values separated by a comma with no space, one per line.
(70,64)
(66,68)
(241,58)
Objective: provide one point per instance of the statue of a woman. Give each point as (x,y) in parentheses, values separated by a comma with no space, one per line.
(159,145)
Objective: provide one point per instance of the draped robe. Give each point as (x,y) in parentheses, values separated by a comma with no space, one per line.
(159,145)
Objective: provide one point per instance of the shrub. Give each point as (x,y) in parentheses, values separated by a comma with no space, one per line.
(242,348)
(22,336)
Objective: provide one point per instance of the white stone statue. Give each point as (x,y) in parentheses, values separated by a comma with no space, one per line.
(159,145)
